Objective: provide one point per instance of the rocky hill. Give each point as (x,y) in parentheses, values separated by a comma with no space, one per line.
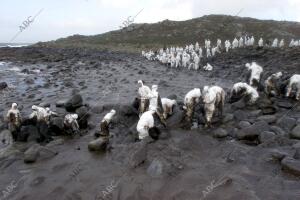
(145,36)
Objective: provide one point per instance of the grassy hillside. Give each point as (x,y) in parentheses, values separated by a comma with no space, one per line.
(146,36)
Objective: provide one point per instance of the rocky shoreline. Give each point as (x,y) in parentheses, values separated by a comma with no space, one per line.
(251,153)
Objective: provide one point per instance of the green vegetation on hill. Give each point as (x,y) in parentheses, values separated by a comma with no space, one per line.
(166,33)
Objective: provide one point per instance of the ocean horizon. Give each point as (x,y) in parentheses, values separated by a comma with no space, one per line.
(14,44)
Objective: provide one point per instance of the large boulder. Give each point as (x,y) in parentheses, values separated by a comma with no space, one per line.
(295,133)
(74,102)
(253,131)
(291,166)
(83,115)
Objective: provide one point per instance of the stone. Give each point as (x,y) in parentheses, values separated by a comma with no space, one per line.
(61,103)
(269,110)
(99,144)
(3,85)
(83,115)
(286,123)
(155,169)
(291,165)
(277,130)
(284,104)
(268,118)
(278,155)
(265,136)
(220,133)
(295,133)
(57,125)
(243,124)
(29,80)
(297,154)
(73,103)
(228,117)
(241,115)
(253,131)
(31,154)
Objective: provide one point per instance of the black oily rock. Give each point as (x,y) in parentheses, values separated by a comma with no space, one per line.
(3,85)
(269,110)
(265,136)
(244,124)
(295,133)
(99,144)
(74,102)
(268,118)
(29,80)
(253,131)
(31,154)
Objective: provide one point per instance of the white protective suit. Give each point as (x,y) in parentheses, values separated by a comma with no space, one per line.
(146,121)
(294,82)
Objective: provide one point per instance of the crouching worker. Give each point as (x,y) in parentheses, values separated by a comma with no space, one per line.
(156,104)
(146,126)
(190,101)
(294,83)
(213,98)
(168,105)
(144,94)
(70,124)
(102,141)
(14,121)
(42,118)
(271,84)
(244,91)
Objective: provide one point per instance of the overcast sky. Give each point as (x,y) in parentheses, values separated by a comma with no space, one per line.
(61,18)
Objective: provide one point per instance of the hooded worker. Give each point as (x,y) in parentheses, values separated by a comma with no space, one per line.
(156,104)
(71,124)
(294,82)
(144,94)
(275,43)
(255,74)
(213,98)
(14,121)
(190,101)
(104,125)
(244,91)
(42,117)
(260,42)
(271,85)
